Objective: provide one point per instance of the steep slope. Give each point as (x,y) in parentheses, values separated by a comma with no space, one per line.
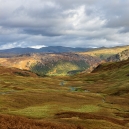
(51,64)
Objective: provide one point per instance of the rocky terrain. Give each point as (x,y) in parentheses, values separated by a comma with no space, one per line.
(124,55)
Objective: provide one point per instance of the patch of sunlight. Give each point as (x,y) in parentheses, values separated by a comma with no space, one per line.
(34,112)
(85,108)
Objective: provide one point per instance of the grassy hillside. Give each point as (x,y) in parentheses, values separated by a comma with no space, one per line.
(104,53)
(98,100)
(16,71)
(59,68)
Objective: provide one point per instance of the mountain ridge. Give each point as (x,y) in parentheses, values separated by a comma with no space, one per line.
(49,49)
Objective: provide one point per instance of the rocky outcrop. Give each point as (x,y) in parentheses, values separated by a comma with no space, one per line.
(124,55)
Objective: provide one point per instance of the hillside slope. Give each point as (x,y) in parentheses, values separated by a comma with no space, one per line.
(111,78)
(16,72)
(124,55)
(104,53)
(51,64)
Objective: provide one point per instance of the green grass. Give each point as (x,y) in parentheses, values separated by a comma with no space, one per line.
(34,112)
(48,111)
(84,108)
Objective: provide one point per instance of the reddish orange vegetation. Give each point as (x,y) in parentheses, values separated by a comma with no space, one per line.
(16,71)
(124,115)
(90,116)
(15,122)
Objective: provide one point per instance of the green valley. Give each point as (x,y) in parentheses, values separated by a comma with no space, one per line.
(60,68)
(97,100)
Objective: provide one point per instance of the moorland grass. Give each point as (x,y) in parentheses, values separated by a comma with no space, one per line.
(44,97)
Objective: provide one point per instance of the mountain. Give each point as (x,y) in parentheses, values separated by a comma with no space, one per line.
(124,55)
(54,61)
(51,64)
(50,49)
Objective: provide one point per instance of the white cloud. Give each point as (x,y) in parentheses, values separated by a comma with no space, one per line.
(37,46)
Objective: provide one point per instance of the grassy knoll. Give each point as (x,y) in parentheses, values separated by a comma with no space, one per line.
(98,100)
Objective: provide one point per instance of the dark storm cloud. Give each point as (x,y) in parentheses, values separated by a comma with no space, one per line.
(75,23)
(44,31)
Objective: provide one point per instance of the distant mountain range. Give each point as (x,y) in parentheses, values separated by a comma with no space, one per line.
(50,49)
(58,60)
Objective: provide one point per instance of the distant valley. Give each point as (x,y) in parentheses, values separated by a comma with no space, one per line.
(59,60)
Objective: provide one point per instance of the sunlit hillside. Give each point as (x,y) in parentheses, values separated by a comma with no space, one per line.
(103,53)
(51,64)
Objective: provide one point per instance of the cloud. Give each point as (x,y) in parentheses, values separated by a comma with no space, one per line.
(116,13)
(74,23)
(37,46)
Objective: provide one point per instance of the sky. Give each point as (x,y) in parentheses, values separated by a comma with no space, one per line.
(70,23)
